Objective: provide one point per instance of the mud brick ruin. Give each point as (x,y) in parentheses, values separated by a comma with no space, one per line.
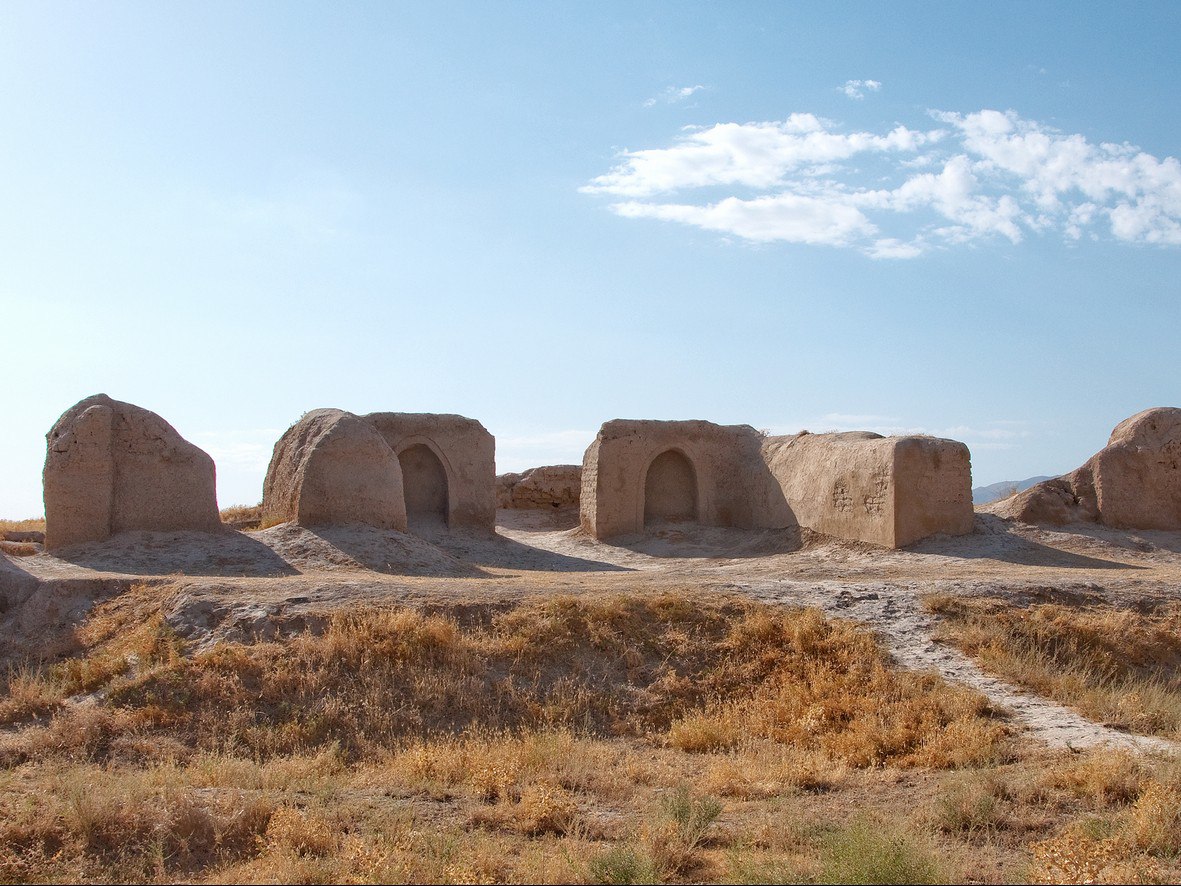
(111,466)
(889,491)
(392,470)
(1134,482)
(552,486)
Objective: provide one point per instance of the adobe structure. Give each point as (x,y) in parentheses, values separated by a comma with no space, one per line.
(333,467)
(552,486)
(889,491)
(111,466)
(1132,483)
(387,469)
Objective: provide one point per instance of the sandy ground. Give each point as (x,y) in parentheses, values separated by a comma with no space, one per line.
(235,585)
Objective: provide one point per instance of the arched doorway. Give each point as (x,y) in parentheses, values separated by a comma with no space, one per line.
(424,484)
(670,489)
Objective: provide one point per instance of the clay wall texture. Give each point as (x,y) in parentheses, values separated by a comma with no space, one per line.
(1132,483)
(616,467)
(889,491)
(111,466)
(464,449)
(387,469)
(552,486)
(330,468)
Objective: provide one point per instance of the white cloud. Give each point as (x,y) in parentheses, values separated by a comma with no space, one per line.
(898,194)
(790,217)
(855,89)
(757,155)
(670,95)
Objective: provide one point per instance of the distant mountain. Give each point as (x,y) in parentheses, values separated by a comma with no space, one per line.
(982,495)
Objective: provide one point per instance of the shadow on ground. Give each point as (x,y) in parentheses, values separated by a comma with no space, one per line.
(497,551)
(693,541)
(223,553)
(994,538)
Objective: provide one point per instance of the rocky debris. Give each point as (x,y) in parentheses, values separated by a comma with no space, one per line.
(112,466)
(552,486)
(1132,483)
(207,620)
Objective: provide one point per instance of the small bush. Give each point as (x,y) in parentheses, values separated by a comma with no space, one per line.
(622,865)
(865,852)
(968,805)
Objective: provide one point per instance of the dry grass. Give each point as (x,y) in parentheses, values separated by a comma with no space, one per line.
(643,739)
(698,677)
(243,515)
(1118,666)
(33,524)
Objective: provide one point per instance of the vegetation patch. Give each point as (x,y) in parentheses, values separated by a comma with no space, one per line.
(1118,666)
(602,740)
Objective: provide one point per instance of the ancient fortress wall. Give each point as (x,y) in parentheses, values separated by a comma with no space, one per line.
(332,467)
(448,466)
(639,473)
(551,486)
(112,466)
(1132,483)
(888,491)
(392,470)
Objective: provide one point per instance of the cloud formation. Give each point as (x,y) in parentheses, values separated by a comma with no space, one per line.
(855,89)
(670,95)
(986,175)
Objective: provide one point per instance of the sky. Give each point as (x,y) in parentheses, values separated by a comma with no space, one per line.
(955,219)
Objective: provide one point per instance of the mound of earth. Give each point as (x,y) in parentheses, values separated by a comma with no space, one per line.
(1132,483)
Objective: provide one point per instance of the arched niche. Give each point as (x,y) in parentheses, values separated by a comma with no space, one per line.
(424,483)
(670,489)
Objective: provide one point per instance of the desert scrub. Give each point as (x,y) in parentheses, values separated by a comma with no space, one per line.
(865,851)
(702,676)
(33,524)
(1118,666)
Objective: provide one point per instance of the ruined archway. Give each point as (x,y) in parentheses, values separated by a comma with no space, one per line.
(424,481)
(670,489)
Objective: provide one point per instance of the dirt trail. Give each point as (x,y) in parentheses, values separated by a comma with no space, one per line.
(894,609)
(897,615)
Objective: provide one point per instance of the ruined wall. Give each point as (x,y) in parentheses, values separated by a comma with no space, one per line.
(889,491)
(333,468)
(552,486)
(1132,483)
(460,448)
(621,491)
(112,466)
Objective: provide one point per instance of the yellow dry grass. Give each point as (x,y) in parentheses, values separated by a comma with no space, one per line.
(698,677)
(1118,666)
(33,524)
(242,514)
(615,739)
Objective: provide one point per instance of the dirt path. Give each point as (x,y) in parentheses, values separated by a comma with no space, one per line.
(897,615)
(894,609)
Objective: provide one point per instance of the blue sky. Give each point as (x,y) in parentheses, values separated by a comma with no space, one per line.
(958,219)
